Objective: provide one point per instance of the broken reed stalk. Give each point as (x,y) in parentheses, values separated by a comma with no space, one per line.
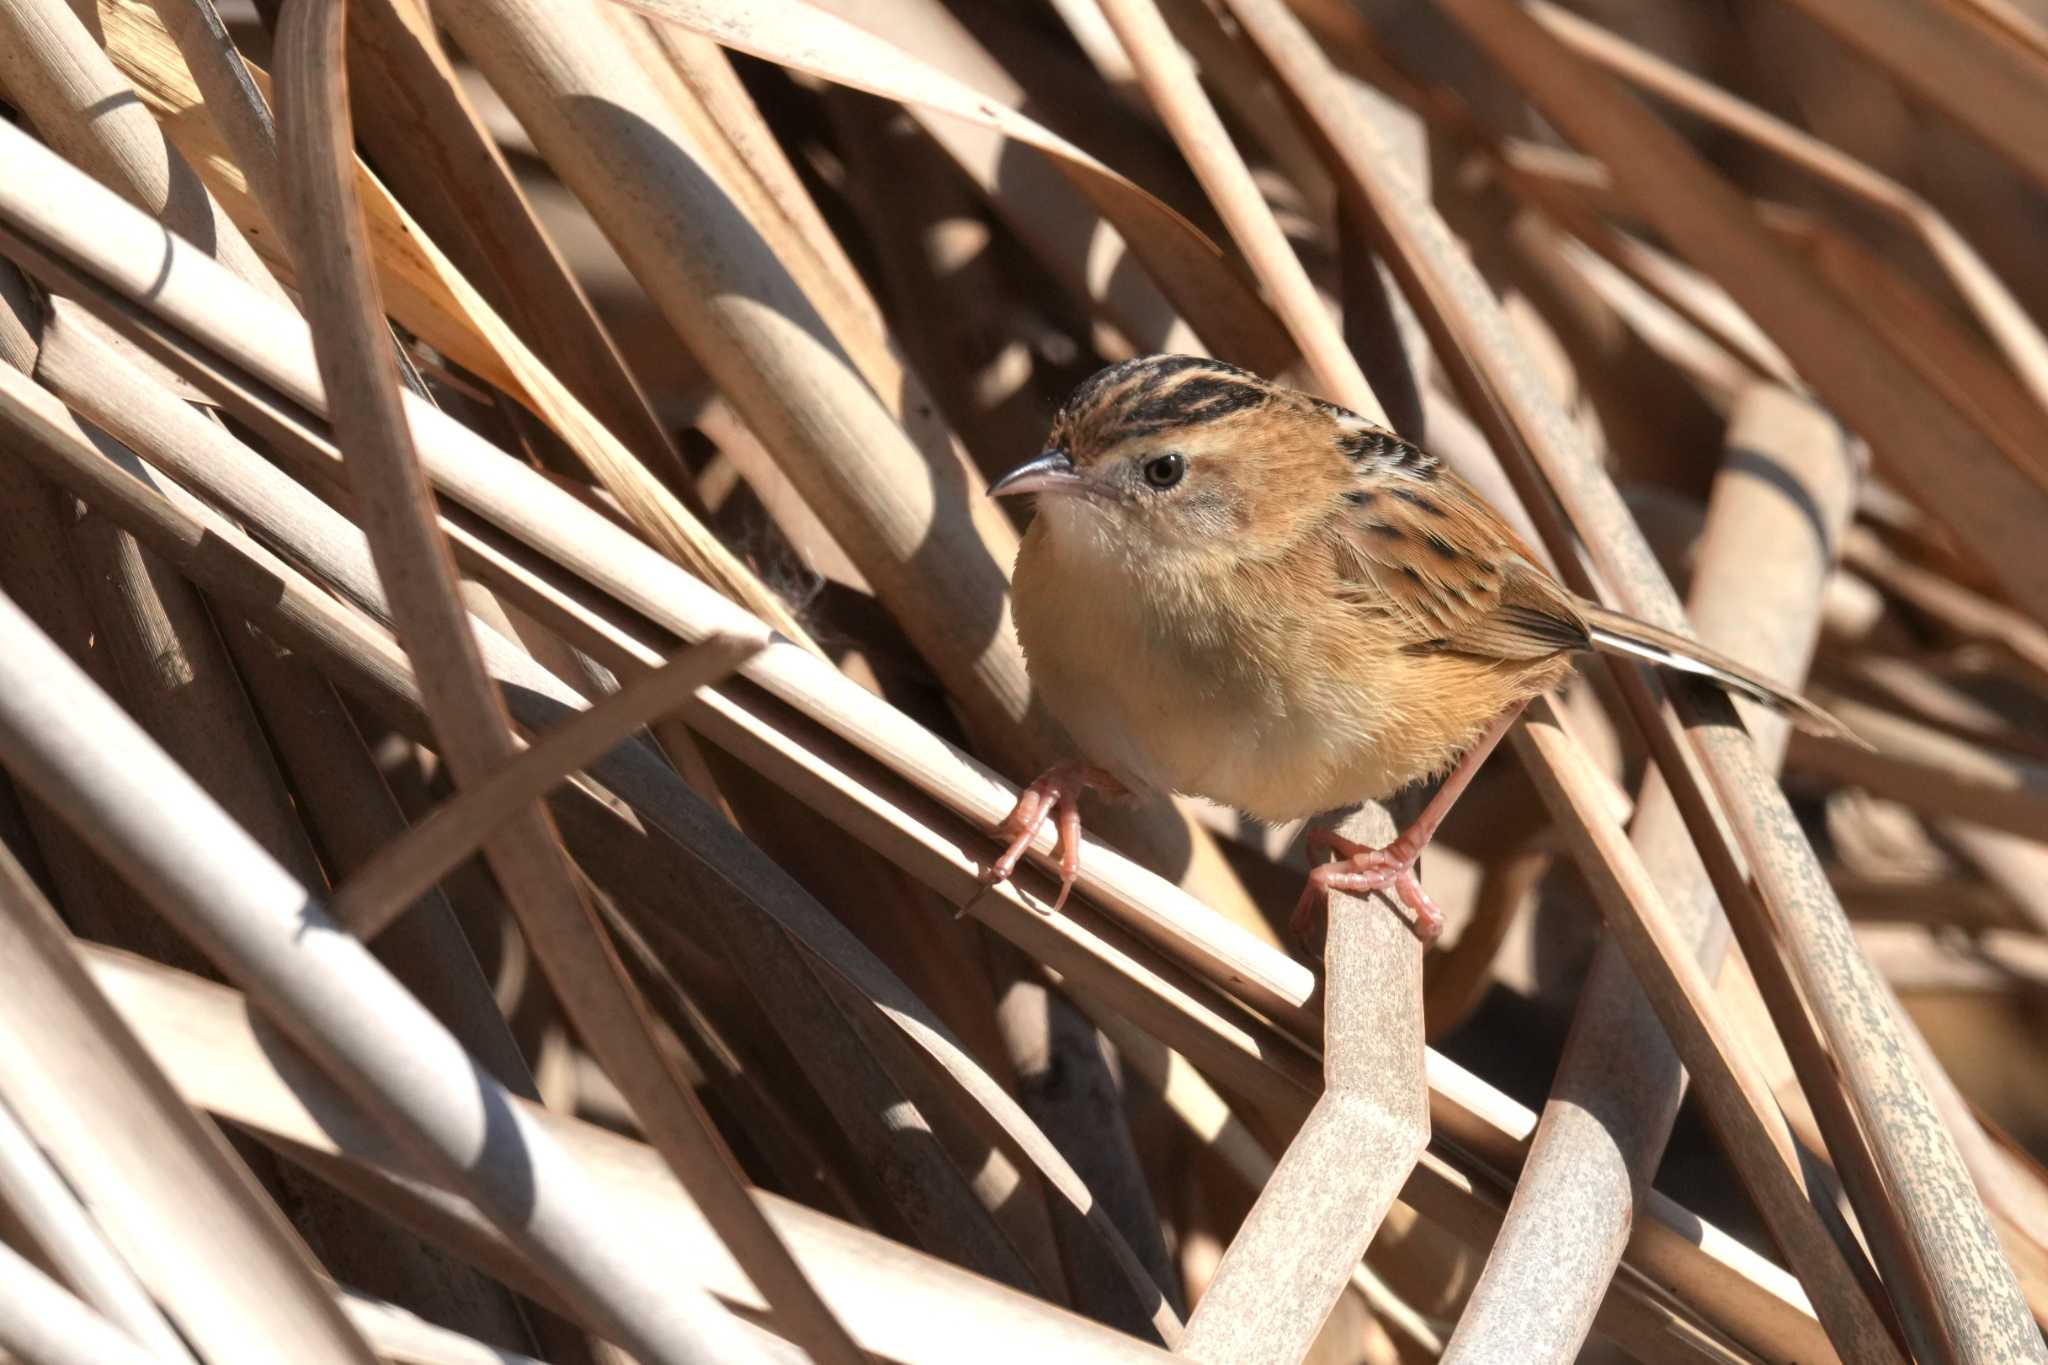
(1300,1245)
(1780,504)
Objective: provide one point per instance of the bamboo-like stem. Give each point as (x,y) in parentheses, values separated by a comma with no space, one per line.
(78,750)
(233,101)
(901,1304)
(1051,215)
(1921,767)
(1619,1083)
(42,1324)
(161,1183)
(75,1246)
(397,510)
(604,127)
(468,199)
(346,805)
(51,67)
(1823,1253)
(1300,1245)
(467,717)
(1973,74)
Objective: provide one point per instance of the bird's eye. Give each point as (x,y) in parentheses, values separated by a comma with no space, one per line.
(1166,470)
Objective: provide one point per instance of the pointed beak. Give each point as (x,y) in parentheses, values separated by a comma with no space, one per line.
(1051,472)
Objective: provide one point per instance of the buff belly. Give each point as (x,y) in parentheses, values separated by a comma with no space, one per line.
(1213,720)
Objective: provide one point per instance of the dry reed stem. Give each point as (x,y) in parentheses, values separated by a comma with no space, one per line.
(468,199)
(1821,1251)
(1174,90)
(1074,236)
(275,347)
(162,1184)
(1975,75)
(1929,771)
(935,553)
(396,508)
(1780,503)
(304,616)
(1979,1301)
(233,103)
(80,102)
(262,927)
(2002,315)
(1928,336)
(65,1237)
(41,1323)
(1783,857)
(406,868)
(1300,1245)
(410,272)
(900,1304)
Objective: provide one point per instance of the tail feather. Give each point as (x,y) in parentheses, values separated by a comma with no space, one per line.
(1614,633)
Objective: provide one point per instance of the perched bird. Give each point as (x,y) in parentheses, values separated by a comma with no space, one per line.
(1234,590)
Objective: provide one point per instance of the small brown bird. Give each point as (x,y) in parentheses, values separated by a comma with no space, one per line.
(1237,591)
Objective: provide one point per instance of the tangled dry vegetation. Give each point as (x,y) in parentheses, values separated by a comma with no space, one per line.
(505,674)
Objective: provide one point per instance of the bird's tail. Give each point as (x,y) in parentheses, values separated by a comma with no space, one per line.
(1614,633)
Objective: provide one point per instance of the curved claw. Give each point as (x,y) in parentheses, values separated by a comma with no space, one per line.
(1361,870)
(1056,794)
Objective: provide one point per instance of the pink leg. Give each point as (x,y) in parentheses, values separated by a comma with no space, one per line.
(1361,870)
(1057,793)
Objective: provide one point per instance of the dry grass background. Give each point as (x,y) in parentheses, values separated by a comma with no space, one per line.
(505,668)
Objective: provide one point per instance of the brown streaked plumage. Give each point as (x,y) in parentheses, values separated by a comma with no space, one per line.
(1238,591)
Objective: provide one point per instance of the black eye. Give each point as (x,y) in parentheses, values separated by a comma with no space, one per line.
(1164,471)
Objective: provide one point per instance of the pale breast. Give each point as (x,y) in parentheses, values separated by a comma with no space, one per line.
(1280,718)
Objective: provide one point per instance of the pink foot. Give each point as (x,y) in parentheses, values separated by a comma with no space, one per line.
(1360,870)
(1057,793)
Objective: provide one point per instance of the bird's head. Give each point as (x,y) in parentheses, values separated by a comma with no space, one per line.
(1179,462)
